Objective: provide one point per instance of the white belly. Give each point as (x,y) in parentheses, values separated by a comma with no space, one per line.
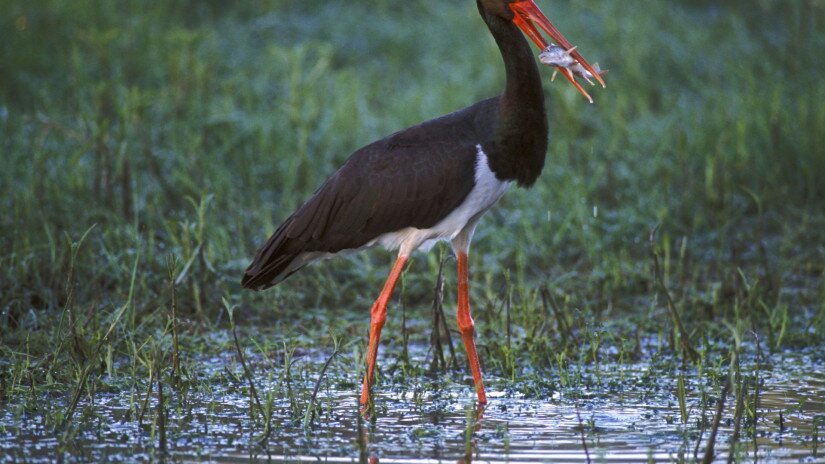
(486,191)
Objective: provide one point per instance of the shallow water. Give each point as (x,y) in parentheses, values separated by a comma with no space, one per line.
(623,413)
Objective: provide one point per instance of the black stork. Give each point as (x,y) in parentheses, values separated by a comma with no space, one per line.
(429,182)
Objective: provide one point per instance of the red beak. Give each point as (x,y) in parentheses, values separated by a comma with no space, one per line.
(526,14)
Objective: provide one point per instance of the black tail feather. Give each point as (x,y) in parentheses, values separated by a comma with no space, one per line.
(262,275)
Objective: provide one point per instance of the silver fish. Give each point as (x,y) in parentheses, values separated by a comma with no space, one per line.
(557,56)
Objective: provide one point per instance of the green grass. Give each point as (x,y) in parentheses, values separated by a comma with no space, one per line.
(187,131)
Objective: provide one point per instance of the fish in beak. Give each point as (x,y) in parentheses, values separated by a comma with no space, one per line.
(564,56)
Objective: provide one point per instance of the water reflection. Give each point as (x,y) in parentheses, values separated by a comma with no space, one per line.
(626,413)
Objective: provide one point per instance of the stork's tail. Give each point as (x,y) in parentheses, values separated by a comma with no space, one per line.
(262,274)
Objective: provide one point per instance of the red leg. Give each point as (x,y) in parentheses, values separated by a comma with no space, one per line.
(377,318)
(466,325)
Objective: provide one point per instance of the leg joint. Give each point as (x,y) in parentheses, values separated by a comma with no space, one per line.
(379,313)
(378,324)
(465,323)
(377,321)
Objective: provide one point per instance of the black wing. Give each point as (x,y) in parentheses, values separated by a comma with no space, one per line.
(413,178)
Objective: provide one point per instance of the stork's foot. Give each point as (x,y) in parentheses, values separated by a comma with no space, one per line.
(475,367)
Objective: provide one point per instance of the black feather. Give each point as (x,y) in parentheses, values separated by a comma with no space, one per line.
(413,178)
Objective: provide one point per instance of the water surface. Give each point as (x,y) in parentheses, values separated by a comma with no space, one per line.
(610,413)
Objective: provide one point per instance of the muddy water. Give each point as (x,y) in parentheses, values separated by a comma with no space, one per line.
(616,413)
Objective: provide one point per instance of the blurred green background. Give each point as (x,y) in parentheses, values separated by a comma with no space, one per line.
(190,129)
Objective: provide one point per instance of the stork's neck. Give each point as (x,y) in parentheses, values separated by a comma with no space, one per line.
(523,88)
(521,133)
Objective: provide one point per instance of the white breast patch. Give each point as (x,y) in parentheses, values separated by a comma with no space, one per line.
(486,191)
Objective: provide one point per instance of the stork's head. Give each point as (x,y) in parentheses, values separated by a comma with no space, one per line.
(526,15)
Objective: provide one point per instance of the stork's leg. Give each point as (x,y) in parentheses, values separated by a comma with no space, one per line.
(466,325)
(377,318)
(461,245)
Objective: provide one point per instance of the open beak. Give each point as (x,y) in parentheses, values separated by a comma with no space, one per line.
(526,16)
